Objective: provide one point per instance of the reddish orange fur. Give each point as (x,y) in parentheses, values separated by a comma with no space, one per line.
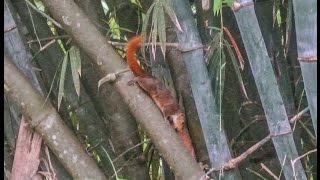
(159,94)
(133,45)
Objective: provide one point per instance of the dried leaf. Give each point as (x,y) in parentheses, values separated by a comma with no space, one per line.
(26,159)
(235,46)
(236,67)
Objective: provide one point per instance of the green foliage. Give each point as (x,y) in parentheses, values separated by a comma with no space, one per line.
(277,17)
(74,55)
(62,79)
(114,28)
(216,68)
(217,5)
(75,60)
(136,2)
(158,28)
(216,59)
(74,119)
(155,167)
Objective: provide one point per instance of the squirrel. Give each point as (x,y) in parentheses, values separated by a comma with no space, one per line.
(159,94)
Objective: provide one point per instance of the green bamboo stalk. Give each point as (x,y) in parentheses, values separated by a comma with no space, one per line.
(216,141)
(268,90)
(306,32)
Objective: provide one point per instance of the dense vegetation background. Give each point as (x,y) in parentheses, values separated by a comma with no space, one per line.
(245,74)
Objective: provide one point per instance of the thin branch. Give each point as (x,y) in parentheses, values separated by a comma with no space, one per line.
(115,174)
(235,161)
(133,147)
(34,29)
(43,14)
(43,48)
(176,45)
(302,156)
(299,115)
(313,138)
(48,38)
(282,165)
(262,117)
(232,142)
(256,173)
(269,171)
(294,121)
(297,159)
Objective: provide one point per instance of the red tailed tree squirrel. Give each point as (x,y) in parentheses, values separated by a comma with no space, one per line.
(159,94)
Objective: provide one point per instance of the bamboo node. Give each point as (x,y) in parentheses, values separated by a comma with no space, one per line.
(10,28)
(187,48)
(308,58)
(281,133)
(236,6)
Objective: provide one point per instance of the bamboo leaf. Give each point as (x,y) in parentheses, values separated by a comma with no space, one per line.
(222,75)
(62,78)
(228,2)
(288,27)
(236,67)
(114,169)
(162,31)
(217,5)
(53,80)
(214,28)
(172,15)
(145,26)
(155,165)
(214,44)
(154,31)
(235,46)
(278,18)
(75,62)
(78,57)
(217,70)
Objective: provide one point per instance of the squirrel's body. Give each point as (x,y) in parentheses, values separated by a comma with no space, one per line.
(159,94)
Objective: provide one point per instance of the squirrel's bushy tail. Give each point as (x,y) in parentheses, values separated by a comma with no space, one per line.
(132,46)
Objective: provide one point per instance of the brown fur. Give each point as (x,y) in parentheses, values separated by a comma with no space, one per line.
(160,95)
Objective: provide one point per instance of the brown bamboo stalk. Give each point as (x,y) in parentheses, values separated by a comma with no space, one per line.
(106,61)
(47,122)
